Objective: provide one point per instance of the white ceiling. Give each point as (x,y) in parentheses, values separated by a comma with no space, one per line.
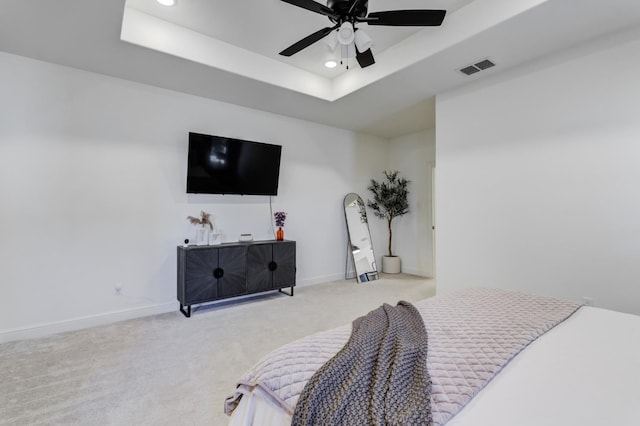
(266,27)
(227,50)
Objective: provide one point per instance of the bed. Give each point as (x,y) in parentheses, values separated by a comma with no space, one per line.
(564,364)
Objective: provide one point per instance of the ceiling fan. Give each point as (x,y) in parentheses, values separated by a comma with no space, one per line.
(345,14)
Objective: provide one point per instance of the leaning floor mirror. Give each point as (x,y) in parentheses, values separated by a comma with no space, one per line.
(360,245)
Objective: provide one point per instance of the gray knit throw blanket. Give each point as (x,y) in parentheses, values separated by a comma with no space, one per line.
(378,378)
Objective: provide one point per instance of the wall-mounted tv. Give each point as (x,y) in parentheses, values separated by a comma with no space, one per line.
(220,165)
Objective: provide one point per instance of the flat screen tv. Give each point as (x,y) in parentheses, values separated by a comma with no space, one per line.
(220,165)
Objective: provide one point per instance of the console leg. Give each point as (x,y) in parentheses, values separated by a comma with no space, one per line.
(284,292)
(186,313)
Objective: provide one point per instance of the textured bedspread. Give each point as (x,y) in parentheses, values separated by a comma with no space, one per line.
(379,377)
(472,335)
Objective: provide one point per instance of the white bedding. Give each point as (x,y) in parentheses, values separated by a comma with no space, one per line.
(585,371)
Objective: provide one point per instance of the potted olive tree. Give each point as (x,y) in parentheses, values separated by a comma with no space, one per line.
(389,201)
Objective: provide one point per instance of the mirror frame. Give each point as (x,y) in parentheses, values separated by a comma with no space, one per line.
(370,274)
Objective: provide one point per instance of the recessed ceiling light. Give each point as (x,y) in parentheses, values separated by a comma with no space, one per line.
(167,2)
(330,64)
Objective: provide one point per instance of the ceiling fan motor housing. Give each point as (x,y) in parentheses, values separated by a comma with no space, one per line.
(341,7)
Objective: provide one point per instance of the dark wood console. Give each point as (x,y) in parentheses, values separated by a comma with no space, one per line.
(208,273)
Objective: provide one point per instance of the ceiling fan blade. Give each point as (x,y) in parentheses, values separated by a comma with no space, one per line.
(406,18)
(365,58)
(314,7)
(307,41)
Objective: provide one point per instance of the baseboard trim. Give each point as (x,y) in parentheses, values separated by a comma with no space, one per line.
(339,277)
(47,329)
(418,272)
(43,330)
(320,279)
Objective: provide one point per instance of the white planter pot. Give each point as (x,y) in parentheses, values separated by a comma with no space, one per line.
(391,264)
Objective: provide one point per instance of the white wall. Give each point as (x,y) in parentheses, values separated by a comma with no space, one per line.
(414,156)
(92,190)
(538,174)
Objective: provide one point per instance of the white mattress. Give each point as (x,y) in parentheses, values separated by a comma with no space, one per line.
(585,371)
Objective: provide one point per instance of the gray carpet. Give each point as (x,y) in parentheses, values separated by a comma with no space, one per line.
(167,369)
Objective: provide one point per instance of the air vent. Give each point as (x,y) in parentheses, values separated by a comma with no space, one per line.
(477,67)
(469,70)
(483,65)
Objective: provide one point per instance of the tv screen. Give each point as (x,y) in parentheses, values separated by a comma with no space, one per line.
(219,165)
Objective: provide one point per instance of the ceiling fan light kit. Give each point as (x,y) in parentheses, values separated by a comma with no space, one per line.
(346,13)
(331,41)
(345,33)
(363,41)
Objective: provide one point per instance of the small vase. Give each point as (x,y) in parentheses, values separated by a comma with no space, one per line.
(202,236)
(280,234)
